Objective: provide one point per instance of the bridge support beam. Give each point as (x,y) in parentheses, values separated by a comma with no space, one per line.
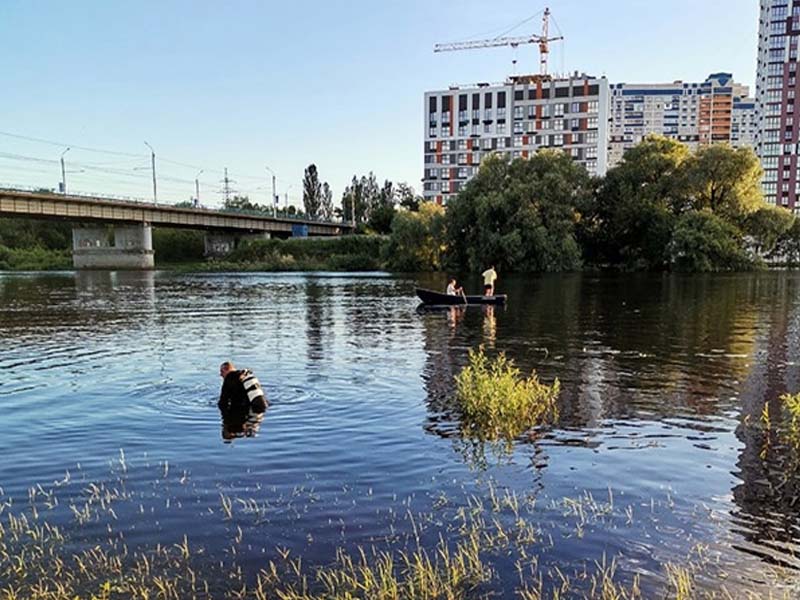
(131,247)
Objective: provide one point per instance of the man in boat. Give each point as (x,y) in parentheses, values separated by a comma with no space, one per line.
(489,277)
(452,289)
(241,391)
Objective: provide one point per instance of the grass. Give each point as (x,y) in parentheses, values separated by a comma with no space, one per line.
(448,554)
(498,402)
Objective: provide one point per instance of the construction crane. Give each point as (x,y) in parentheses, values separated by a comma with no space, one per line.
(543,40)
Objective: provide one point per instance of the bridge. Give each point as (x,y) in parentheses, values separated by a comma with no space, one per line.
(131,246)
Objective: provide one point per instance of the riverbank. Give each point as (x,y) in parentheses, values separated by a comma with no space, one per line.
(34,259)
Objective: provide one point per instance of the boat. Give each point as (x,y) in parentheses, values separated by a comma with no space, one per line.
(431,298)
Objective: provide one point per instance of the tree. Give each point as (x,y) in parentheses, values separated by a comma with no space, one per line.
(312,192)
(243,204)
(326,208)
(767,226)
(787,248)
(520,215)
(359,198)
(725,180)
(705,242)
(631,221)
(415,243)
(407,198)
(382,213)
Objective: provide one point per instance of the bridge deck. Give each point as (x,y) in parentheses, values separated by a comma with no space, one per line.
(37,205)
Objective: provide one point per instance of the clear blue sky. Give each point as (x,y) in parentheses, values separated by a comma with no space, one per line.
(245,84)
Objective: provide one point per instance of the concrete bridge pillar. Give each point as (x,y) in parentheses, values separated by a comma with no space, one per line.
(131,247)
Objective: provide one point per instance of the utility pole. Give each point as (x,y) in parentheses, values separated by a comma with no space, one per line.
(275,197)
(63,173)
(153,164)
(226,187)
(197,188)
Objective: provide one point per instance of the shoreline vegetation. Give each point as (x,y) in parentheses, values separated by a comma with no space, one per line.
(664,207)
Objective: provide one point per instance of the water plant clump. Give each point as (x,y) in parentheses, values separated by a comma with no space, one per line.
(498,402)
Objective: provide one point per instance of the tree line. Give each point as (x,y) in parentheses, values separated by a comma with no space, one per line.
(663,207)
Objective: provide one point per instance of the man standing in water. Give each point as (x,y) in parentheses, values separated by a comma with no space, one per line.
(241,390)
(489,277)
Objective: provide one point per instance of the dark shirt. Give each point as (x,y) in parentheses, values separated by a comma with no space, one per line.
(241,391)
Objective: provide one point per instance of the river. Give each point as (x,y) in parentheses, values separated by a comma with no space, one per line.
(656,458)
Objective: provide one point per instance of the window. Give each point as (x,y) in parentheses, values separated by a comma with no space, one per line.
(462,159)
(576,107)
(476,114)
(501,128)
(487,144)
(501,113)
(487,114)
(531,111)
(591,137)
(463,173)
(593,106)
(558,110)
(462,144)
(517,141)
(476,130)
(445,159)
(592,124)
(518,114)
(575,124)
(445,173)
(487,128)
(518,127)
(501,142)
(558,124)
(557,140)
(462,130)
(432,132)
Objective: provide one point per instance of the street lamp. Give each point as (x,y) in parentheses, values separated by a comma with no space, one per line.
(197,188)
(153,163)
(63,173)
(274,195)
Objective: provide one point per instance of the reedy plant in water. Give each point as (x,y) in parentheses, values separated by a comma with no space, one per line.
(497,402)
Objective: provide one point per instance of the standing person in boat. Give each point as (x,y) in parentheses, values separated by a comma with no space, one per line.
(241,391)
(489,277)
(453,289)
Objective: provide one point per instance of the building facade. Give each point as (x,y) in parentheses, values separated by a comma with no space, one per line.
(778,129)
(716,110)
(516,118)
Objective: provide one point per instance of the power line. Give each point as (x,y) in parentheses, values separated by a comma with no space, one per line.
(62,144)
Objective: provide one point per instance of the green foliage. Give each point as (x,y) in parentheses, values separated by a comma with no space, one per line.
(178,245)
(34,259)
(312,192)
(497,402)
(787,248)
(415,243)
(243,204)
(725,180)
(767,226)
(32,233)
(630,224)
(519,215)
(348,253)
(704,242)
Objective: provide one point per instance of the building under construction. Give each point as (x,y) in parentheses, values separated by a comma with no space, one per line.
(517,117)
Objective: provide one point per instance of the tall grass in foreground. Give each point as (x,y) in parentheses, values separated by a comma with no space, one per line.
(498,402)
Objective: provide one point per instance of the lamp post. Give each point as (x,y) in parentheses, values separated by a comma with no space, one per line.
(63,173)
(274,194)
(197,188)
(153,164)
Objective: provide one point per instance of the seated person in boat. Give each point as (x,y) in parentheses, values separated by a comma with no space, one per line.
(452,289)
(241,391)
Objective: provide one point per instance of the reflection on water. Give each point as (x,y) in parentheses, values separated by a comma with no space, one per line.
(663,378)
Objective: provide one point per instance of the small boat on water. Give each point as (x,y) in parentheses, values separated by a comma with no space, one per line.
(431,298)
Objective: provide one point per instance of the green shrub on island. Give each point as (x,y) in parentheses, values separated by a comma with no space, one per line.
(703,242)
(497,402)
(347,253)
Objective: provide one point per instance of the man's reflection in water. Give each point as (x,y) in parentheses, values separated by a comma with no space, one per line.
(489,326)
(240,423)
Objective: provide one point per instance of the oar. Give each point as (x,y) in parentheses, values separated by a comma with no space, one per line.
(464,296)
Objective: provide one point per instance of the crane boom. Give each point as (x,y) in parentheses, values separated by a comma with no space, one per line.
(542,40)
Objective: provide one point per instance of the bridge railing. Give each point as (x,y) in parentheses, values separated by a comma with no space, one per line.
(143,202)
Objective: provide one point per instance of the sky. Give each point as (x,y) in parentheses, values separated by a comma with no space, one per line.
(248,84)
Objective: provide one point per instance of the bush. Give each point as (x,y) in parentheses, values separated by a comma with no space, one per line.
(178,245)
(497,402)
(34,259)
(704,242)
(416,240)
(348,253)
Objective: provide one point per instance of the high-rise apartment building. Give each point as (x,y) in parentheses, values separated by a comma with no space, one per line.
(778,117)
(716,110)
(518,117)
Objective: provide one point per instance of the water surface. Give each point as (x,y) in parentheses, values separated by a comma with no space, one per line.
(661,376)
